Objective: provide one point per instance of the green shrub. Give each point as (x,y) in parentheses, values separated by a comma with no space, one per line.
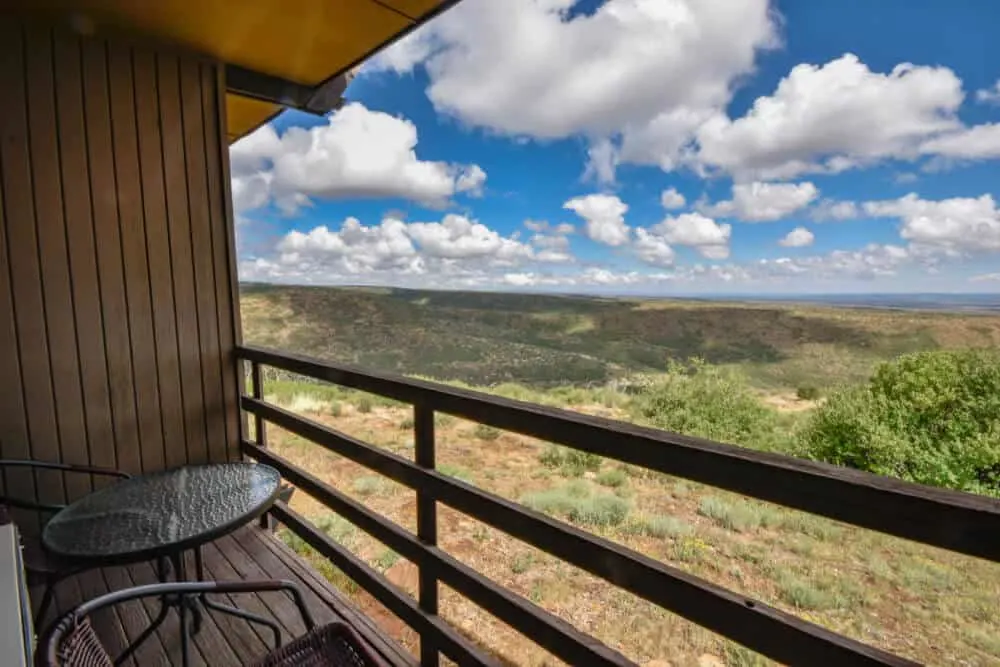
(337,527)
(807,392)
(571,462)
(930,417)
(458,472)
(602,510)
(364,405)
(740,516)
(614,478)
(488,433)
(710,402)
(660,527)
(804,595)
(386,559)
(406,424)
(371,485)
(576,502)
(522,562)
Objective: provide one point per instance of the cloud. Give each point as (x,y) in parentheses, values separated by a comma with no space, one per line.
(671,199)
(458,237)
(653,248)
(622,76)
(604,216)
(544,226)
(797,238)
(985,278)
(763,202)
(957,225)
(396,252)
(830,209)
(834,117)
(471,180)
(980,142)
(703,234)
(989,95)
(354,249)
(358,153)
(553,247)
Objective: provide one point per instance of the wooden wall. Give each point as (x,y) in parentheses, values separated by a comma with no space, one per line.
(117,305)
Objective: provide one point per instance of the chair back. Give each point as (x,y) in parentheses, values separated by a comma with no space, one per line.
(74,643)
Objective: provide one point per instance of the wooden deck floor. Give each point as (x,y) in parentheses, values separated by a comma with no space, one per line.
(250,553)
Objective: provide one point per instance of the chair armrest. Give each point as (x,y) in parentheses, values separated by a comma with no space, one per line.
(64,467)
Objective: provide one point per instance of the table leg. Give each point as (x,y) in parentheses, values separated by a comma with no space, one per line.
(233,611)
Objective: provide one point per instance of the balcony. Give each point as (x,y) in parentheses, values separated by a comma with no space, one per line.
(120,344)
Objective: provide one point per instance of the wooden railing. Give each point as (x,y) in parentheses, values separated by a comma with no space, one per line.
(957,521)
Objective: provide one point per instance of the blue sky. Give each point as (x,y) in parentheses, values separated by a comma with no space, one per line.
(647,146)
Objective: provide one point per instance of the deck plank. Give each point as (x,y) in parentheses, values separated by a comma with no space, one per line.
(254,638)
(246,561)
(250,553)
(364,625)
(135,618)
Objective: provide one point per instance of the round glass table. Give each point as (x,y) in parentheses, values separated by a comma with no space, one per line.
(162,513)
(161,516)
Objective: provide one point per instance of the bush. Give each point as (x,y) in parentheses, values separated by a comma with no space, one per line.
(371,485)
(710,402)
(807,393)
(614,478)
(572,462)
(576,502)
(364,405)
(458,472)
(930,417)
(659,526)
(488,433)
(740,517)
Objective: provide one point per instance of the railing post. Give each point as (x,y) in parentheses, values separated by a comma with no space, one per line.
(423,426)
(259,427)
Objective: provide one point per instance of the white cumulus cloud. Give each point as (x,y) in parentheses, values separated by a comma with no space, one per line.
(990,95)
(797,238)
(623,76)
(604,217)
(653,248)
(671,199)
(831,209)
(763,202)
(695,230)
(979,142)
(358,153)
(834,117)
(959,224)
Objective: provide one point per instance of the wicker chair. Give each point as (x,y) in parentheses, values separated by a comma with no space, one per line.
(73,642)
(41,566)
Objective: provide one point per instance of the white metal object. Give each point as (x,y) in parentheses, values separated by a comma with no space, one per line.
(16,631)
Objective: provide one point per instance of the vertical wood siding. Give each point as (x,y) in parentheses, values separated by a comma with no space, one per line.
(117,326)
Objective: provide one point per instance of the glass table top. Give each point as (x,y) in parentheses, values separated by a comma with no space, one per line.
(163,510)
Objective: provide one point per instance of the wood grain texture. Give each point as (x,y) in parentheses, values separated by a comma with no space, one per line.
(14,440)
(117,309)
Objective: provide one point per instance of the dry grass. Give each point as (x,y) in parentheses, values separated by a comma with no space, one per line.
(923,603)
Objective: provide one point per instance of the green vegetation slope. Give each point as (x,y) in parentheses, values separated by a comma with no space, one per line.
(542,340)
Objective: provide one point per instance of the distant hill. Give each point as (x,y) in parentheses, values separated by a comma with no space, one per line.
(542,340)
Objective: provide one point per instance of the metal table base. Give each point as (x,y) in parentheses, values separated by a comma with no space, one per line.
(190,605)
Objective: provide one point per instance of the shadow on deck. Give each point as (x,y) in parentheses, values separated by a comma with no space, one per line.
(250,553)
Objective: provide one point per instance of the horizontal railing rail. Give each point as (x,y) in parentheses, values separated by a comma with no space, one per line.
(970,524)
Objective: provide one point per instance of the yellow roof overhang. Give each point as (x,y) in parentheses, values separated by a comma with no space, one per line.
(282,50)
